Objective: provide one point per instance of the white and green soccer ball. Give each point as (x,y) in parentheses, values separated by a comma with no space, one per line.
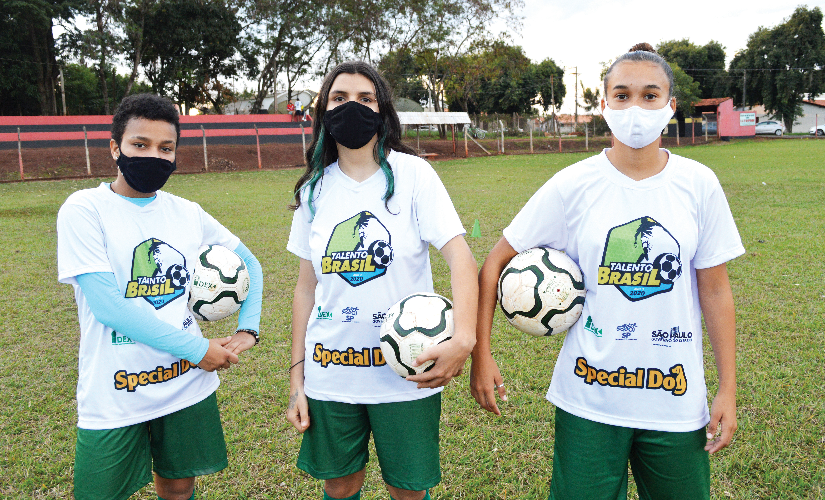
(413,324)
(220,283)
(541,292)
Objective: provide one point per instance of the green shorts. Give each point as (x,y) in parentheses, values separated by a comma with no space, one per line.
(590,461)
(405,435)
(112,464)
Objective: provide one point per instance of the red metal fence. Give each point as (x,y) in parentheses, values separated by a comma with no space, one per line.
(40,139)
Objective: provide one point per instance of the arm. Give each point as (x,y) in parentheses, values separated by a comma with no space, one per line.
(110,308)
(716,301)
(450,356)
(302,303)
(249,317)
(485,376)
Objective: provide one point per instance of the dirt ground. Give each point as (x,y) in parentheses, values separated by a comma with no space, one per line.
(57,163)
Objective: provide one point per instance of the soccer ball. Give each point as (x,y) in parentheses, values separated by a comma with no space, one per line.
(413,324)
(220,283)
(541,292)
(669,266)
(381,253)
(177,275)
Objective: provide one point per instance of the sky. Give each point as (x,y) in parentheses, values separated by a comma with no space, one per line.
(580,34)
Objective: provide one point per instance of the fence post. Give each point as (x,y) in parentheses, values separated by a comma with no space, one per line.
(86,145)
(692,131)
(466,149)
(258,143)
(20,153)
(586,138)
(502,135)
(531,135)
(304,142)
(205,158)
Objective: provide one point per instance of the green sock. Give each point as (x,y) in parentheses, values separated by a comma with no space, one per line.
(356,496)
(426,496)
(190,498)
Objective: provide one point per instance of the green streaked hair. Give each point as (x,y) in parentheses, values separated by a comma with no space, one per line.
(323,150)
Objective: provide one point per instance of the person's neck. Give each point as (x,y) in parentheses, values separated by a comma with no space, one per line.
(638,164)
(358,164)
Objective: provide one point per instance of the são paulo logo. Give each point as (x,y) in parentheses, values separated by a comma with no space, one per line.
(641,259)
(359,250)
(159,273)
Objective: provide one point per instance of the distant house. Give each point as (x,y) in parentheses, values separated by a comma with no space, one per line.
(723,120)
(244,107)
(813,112)
(567,122)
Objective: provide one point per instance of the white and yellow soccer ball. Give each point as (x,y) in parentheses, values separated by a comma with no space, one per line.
(541,292)
(413,324)
(220,283)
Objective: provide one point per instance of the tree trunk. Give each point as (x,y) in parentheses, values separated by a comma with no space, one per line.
(138,49)
(101,70)
(269,72)
(42,46)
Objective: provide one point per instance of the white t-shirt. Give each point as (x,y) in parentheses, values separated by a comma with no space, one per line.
(634,359)
(366,259)
(150,250)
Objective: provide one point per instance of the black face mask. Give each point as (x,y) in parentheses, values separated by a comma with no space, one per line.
(352,125)
(145,174)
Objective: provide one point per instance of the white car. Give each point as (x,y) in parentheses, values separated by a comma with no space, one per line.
(820,129)
(770,127)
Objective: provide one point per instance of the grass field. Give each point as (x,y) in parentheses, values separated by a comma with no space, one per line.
(776,190)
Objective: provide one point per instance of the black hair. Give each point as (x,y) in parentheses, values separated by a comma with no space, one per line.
(323,150)
(146,106)
(643,52)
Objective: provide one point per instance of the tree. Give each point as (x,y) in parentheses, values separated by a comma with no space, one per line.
(84,94)
(592,98)
(704,64)
(685,90)
(780,66)
(34,72)
(548,84)
(18,71)
(188,46)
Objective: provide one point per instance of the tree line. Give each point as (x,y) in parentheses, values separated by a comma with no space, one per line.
(437,52)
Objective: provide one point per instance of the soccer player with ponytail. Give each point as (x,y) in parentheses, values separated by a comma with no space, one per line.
(634,389)
(366,211)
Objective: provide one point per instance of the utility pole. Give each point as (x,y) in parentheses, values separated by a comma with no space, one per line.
(553,100)
(576,99)
(744,88)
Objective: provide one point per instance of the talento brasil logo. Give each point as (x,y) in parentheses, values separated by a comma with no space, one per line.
(359,249)
(159,273)
(641,259)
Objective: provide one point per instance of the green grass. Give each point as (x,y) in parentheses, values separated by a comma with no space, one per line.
(778,452)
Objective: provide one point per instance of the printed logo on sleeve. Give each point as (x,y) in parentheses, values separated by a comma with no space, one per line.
(159,273)
(641,259)
(359,250)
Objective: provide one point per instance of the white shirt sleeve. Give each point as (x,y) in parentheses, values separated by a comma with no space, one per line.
(214,233)
(81,246)
(719,239)
(541,222)
(298,242)
(438,222)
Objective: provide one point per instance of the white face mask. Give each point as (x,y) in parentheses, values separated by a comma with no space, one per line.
(637,127)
